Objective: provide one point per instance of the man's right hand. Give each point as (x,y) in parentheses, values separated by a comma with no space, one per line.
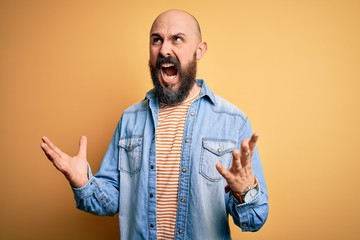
(74,168)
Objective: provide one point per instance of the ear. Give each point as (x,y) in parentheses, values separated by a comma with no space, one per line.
(200,51)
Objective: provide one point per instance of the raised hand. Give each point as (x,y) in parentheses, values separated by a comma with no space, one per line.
(239,176)
(73,168)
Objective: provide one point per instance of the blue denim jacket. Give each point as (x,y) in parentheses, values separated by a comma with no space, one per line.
(126,181)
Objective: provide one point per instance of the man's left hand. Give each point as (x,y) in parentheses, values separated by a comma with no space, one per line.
(239,176)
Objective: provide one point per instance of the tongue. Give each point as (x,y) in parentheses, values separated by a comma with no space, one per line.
(170,71)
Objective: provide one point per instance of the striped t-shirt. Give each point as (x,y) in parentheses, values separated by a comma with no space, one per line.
(169,135)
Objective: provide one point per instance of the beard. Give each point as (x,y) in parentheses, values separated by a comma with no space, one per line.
(167,94)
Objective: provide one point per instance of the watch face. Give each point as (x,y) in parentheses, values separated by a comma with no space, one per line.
(250,195)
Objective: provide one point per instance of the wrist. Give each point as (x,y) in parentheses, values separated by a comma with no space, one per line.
(79,183)
(240,196)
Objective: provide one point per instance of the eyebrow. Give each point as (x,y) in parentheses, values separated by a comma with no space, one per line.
(179,34)
(173,35)
(155,35)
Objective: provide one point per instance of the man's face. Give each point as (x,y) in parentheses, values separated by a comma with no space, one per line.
(168,93)
(173,56)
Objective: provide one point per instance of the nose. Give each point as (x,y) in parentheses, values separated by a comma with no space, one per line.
(166,50)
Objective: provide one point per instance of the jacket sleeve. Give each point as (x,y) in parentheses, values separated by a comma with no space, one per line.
(251,216)
(100,196)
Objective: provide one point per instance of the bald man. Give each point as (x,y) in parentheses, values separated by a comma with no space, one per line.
(181,160)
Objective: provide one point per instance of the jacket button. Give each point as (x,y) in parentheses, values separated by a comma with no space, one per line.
(152,226)
(182,200)
(184,170)
(187,140)
(180,231)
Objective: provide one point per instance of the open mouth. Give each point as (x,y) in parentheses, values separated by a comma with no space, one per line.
(168,72)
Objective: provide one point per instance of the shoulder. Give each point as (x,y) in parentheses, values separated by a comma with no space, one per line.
(137,107)
(221,105)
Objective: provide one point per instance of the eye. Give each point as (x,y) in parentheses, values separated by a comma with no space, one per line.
(178,39)
(157,41)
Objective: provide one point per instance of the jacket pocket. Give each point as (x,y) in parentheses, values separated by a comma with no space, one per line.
(130,151)
(212,152)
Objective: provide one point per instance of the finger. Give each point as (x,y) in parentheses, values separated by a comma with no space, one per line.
(52,146)
(50,154)
(223,171)
(252,142)
(82,147)
(245,150)
(236,159)
(245,153)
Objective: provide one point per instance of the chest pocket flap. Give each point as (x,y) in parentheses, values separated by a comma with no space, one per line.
(214,151)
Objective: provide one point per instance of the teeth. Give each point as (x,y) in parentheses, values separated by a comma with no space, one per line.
(167,65)
(170,77)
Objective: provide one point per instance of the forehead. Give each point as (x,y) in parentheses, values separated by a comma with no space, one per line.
(171,23)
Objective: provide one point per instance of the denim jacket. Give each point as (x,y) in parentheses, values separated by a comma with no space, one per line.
(126,181)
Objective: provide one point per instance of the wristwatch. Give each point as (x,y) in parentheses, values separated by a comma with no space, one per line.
(247,196)
(251,194)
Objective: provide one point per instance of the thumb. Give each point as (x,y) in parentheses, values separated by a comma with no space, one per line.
(82,147)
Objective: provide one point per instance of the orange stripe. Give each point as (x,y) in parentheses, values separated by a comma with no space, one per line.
(169,135)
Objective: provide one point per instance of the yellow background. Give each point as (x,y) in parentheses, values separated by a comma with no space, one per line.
(69,68)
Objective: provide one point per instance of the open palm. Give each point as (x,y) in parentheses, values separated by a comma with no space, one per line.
(73,168)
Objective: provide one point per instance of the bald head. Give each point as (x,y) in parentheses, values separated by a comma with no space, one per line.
(175,47)
(178,20)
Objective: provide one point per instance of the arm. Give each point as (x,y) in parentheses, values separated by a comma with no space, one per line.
(245,170)
(95,194)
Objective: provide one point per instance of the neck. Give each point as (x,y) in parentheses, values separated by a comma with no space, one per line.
(194,91)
